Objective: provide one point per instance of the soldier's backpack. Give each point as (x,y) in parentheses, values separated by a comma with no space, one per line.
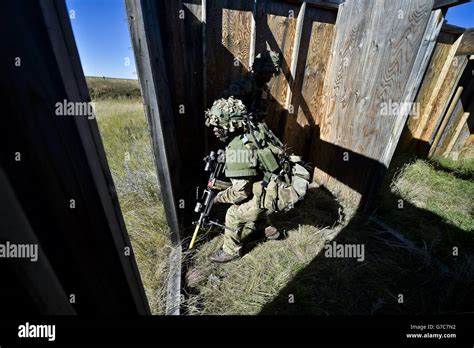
(285,179)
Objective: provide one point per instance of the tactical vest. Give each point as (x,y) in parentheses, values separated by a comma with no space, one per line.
(285,179)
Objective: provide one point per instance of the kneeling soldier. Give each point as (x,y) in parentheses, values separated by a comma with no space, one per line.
(264,179)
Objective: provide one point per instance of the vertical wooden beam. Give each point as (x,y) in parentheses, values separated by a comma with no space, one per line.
(446,118)
(466,47)
(457,131)
(253,33)
(419,67)
(146,38)
(294,53)
(204,64)
(436,89)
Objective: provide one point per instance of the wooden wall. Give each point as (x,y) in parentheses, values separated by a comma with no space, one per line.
(340,63)
(379,55)
(55,185)
(452,137)
(443,123)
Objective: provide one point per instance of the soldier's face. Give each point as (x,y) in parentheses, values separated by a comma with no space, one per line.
(221,133)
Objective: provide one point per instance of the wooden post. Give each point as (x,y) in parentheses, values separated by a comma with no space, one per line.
(446,118)
(146,38)
(294,53)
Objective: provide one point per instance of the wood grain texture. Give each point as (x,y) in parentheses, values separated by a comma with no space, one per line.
(446,118)
(228,40)
(458,105)
(307,91)
(466,47)
(437,89)
(458,145)
(445,93)
(374,51)
(276,25)
(62,158)
(420,65)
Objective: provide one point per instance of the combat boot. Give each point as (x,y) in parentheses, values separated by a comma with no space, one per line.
(271,233)
(221,256)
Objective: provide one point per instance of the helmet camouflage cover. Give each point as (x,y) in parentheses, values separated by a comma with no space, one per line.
(268,61)
(227,113)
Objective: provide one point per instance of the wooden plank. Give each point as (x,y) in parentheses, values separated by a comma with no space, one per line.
(146,39)
(458,107)
(307,92)
(433,96)
(447,65)
(466,47)
(296,50)
(467,151)
(449,129)
(228,42)
(452,29)
(457,130)
(183,43)
(204,60)
(459,145)
(332,5)
(67,57)
(446,118)
(276,26)
(62,182)
(447,3)
(366,71)
(253,33)
(418,71)
(445,93)
(416,122)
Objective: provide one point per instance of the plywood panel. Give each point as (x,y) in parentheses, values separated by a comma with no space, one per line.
(445,142)
(228,37)
(181,32)
(439,86)
(307,94)
(416,123)
(375,48)
(276,25)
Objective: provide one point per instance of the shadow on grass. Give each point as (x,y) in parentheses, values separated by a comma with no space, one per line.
(393,278)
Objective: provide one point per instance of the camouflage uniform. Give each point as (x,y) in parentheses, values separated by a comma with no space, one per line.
(253,170)
(255,94)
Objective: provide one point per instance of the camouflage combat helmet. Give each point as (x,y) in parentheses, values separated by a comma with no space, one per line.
(268,61)
(227,113)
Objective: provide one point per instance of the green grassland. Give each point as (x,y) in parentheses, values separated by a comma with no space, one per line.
(112,88)
(124,131)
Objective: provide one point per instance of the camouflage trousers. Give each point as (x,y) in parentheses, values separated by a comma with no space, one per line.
(243,219)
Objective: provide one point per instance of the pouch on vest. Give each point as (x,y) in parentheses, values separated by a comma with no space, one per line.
(267,159)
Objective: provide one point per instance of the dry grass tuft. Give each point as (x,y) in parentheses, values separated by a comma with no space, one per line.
(124,132)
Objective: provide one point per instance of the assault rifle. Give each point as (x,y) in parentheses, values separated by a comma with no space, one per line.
(214,165)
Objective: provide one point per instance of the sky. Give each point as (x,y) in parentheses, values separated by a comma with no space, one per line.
(461,15)
(101,31)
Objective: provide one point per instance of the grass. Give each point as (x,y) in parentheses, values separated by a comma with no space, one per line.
(112,88)
(126,140)
(245,286)
(432,202)
(293,276)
